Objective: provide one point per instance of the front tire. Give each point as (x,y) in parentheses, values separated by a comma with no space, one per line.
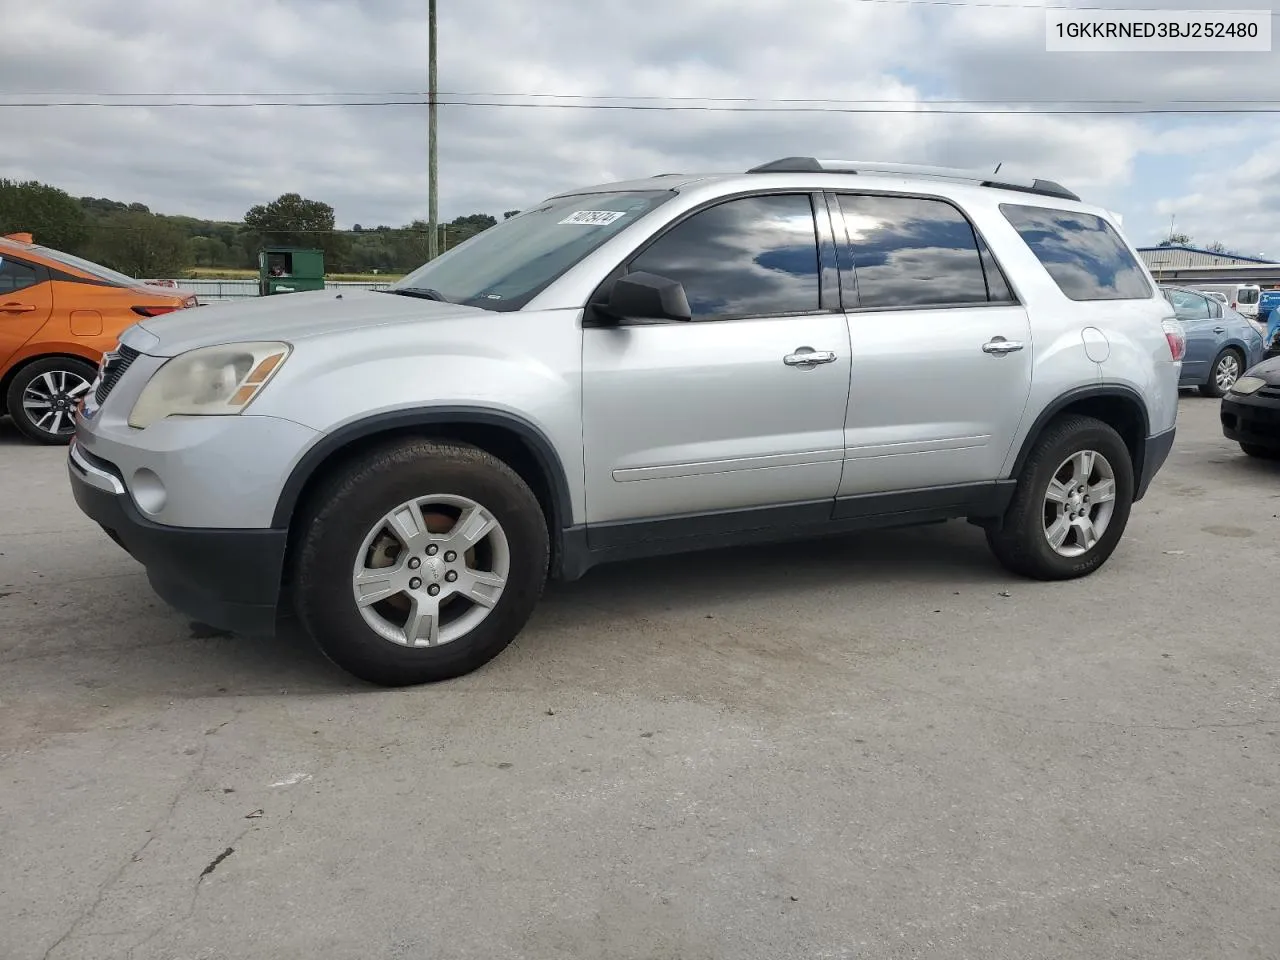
(1261,452)
(43,396)
(420,562)
(1071,504)
(1226,370)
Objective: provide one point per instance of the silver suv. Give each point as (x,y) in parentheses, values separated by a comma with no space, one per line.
(632,369)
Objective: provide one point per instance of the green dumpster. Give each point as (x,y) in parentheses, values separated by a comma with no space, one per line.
(289,269)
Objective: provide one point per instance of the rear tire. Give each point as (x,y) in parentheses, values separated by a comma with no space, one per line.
(43,395)
(1261,452)
(1022,541)
(381,526)
(1226,370)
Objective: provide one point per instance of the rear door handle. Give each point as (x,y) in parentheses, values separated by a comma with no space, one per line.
(1219,329)
(16,308)
(807,357)
(999,346)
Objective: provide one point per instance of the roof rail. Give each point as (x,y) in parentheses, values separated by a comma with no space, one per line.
(1046,188)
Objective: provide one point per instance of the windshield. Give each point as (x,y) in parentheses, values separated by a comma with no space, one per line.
(89,267)
(507,265)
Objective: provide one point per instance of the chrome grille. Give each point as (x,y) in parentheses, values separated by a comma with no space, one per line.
(113,367)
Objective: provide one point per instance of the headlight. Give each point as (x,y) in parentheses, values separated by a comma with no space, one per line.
(210,381)
(1248,385)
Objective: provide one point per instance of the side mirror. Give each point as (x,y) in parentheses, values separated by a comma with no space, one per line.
(646,296)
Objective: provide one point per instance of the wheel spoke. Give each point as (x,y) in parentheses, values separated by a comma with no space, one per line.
(1058,491)
(406,523)
(57,421)
(374,586)
(423,624)
(1057,532)
(482,587)
(41,403)
(1082,467)
(79,390)
(50,384)
(1102,491)
(1086,534)
(472,527)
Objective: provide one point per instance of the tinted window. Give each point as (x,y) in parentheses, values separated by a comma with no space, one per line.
(757,256)
(16,276)
(909,252)
(1189,306)
(1215,309)
(1248,295)
(1083,254)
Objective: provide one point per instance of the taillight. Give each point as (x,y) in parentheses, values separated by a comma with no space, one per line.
(190,302)
(1177,339)
(154,311)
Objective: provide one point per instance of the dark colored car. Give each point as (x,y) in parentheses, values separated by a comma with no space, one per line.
(1251,411)
(1221,344)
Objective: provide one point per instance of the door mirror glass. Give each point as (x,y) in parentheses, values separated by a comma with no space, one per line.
(647,296)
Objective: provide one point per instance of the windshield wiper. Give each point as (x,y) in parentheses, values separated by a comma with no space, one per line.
(422,293)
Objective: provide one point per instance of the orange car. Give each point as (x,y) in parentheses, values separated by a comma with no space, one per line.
(58,315)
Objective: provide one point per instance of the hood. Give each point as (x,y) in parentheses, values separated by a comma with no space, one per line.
(1268,370)
(287,316)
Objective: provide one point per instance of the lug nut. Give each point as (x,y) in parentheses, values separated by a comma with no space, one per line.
(432,550)
(434,589)
(451,576)
(414,563)
(415,583)
(450,556)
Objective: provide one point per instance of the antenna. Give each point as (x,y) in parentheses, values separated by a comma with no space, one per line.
(997,169)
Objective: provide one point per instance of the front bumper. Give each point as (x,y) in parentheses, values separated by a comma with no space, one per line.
(226,578)
(1155,452)
(1251,419)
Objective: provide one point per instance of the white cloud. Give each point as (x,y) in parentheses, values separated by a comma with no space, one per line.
(370,163)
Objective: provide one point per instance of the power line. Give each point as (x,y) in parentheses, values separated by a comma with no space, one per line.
(378,98)
(922,107)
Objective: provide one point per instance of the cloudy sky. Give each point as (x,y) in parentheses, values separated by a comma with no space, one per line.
(1219,174)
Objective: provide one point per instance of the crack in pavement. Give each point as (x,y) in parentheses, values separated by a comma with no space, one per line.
(136,856)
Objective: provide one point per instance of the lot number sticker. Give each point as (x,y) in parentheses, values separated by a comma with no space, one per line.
(594,218)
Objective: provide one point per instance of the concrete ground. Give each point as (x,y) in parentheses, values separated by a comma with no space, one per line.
(879,746)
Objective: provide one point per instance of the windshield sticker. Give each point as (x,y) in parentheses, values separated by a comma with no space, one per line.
(594,218)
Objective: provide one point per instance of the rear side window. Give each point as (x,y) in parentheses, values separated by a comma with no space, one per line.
(15,276)
(1189,306)
(914,252)
(1083,254)
(1248,295)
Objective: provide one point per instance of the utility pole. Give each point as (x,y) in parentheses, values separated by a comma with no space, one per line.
(433,242)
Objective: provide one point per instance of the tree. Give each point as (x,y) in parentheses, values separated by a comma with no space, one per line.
(509,214)
(1176,240)
(142,245)
(53,218)
(292,220)
(207,252)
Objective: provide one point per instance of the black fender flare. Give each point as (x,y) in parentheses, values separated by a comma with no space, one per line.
(538,443)
(1102,391)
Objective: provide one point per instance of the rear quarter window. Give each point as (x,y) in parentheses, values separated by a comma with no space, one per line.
(1082,252)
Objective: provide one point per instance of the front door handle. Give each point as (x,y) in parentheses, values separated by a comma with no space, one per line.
(999,346)
(16,308)
(807,358)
